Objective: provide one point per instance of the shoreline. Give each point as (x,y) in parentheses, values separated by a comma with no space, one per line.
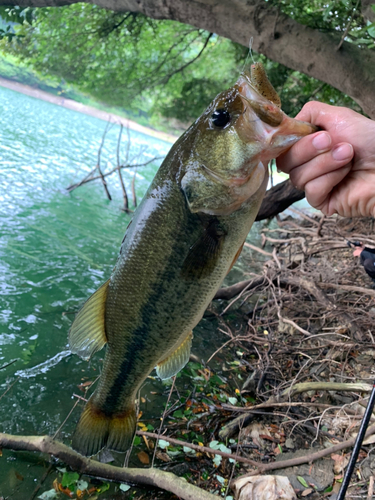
(83,108)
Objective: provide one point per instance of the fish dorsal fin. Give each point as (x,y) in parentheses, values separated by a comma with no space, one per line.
(171,365)
(87,333)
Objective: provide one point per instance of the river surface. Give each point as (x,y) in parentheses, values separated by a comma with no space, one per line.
(56,249)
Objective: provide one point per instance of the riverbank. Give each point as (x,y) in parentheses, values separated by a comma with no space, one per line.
(83,108)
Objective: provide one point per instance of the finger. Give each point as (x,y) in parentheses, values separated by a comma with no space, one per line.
(319,189)
(321,165)
(316,112)
(304,151)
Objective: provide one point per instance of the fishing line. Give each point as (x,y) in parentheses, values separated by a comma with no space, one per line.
(249,54)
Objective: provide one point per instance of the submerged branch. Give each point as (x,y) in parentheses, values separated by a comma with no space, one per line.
(115,169)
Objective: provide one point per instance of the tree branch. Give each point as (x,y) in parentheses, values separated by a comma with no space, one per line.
(276,35)
(278,199)
(150,477)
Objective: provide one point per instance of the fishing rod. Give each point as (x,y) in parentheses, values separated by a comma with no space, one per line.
(357,445)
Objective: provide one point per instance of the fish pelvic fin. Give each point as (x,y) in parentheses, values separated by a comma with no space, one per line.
(87,333)
(236,257)
(171,365)
(96,430)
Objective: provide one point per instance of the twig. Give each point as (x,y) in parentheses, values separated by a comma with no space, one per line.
(304,216)
(370,491)
(8,364)
(231,291)
(347,27)
(9,388)
(98,163)
(199,448)
(325,386)
(42,479)
(293,324)
(257,249)
(181,68)
(162,420)
(124,194)
(349,288)
(62,425)
(133,191)
(319,230)
(110,172)
(309,458)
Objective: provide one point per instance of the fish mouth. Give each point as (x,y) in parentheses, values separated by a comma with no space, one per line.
(232,181)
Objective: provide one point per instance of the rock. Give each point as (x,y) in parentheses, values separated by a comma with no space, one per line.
(289,443)
(263,488)
(320,473)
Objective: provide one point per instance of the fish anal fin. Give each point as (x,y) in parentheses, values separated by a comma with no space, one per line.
(87,333)
(203,255)
(236,257)
(171,365)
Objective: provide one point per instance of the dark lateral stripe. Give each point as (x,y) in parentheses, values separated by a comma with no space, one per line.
(140,337)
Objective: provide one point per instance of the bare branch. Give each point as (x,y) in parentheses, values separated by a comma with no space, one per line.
(150,477)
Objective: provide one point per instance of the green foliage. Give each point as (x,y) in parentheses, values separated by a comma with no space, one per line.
(69,480)
(331,16)
(164,68)
(11,17)
(127,59)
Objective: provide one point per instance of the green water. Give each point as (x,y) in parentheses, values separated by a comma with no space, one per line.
(56,249)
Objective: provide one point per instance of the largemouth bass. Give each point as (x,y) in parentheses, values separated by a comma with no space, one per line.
(182,241)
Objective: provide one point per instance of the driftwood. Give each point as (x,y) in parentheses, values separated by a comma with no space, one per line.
(278,199)
(149,477)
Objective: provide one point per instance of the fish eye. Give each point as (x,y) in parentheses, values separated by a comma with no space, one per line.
(220,118)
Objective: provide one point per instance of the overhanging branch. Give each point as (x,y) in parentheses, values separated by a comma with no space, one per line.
(310,51)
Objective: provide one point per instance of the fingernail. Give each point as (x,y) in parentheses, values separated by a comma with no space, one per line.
(322,141)
(343,152)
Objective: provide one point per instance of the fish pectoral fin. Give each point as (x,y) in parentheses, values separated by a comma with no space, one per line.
(171,365)
(203,255)
(87,333)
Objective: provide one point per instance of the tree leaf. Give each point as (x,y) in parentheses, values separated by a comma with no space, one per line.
(49,495)
(302,481)
(143,457)
(69,479)
(371,30)
(163,444)
(233,401)
(82,485)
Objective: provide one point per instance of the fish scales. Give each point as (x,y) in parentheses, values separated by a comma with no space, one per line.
(178,248)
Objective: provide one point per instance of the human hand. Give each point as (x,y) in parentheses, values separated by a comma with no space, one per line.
(335,167)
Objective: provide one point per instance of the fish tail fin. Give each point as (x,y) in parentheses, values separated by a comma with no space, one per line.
(122,429)
(95,430)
